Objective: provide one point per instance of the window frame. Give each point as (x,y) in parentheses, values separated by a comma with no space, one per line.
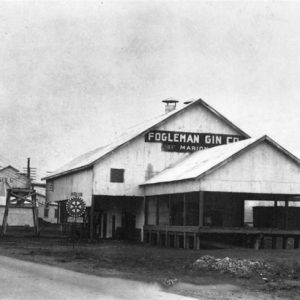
(117,175)
(46,212)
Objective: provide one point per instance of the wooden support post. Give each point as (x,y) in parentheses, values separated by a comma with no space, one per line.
(59,213)
(176,244)
(195,241)
(4,222)
(262,242)
(146,210)
(35,214)
(275,223)
(243,214)
(185,241)
(284,242)
(257,242)
(286,214)
(184,210)
(166,239)
(92,218)
(157,210)
(201,209)
(169,206)
(157,238)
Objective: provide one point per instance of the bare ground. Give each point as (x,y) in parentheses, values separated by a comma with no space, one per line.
(171,268)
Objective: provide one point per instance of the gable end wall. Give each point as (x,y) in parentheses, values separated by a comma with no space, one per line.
(143,160)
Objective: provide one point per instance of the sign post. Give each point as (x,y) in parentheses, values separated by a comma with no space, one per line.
(75,209)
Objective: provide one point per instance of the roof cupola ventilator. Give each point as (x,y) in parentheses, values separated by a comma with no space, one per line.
(189,101)
(170,104)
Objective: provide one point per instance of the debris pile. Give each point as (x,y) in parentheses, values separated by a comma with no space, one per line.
(238,267)
(168,282)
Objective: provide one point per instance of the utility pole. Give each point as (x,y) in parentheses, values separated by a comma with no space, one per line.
(28,167)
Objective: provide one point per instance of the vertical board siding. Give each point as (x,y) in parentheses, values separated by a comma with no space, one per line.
(80,182)
(262,169)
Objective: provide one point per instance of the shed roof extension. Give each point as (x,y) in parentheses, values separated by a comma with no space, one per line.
(201,163)
(88,159)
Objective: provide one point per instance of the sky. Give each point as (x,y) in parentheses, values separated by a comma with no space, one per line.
(74,74)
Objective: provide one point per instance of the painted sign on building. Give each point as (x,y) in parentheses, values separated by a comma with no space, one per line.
(176,141)
(75,194)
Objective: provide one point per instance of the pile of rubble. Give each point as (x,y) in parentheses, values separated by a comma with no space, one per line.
(238,267)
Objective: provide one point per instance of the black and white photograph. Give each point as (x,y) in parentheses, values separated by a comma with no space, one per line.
(150,150)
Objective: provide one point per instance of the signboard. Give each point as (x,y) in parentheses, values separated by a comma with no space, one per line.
(75,207)
(176,141)
(50,186)
(73,219)
(75,194)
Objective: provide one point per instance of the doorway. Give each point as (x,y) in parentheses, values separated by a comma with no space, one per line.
(104,227)
(113,226)
(128,225)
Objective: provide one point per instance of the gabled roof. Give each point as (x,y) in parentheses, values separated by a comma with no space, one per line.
(6,163)
(88,159)
(203,162)
(8,167)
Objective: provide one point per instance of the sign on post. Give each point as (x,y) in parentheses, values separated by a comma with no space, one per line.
(75,207)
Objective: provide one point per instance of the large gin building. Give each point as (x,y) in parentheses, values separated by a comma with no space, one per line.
(176,177)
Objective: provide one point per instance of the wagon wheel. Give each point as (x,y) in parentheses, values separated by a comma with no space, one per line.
(75,207)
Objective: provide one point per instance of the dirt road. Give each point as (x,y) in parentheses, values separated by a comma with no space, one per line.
(26,280)
(119,270)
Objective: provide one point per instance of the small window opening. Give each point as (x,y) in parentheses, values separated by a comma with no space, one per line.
(46,212)
(117,175)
